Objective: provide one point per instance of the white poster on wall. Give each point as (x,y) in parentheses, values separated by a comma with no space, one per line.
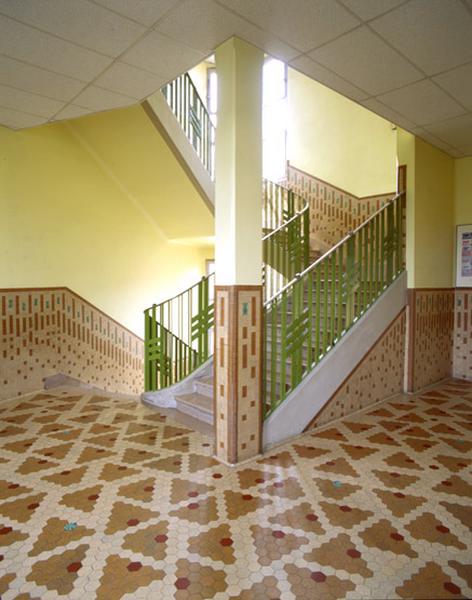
(464,256)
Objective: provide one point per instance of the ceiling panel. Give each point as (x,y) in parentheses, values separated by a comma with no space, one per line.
(18,120)
(146,12)
(351,57)
(422,102)
(309,67)
(368,9)
(204,25)
(69,58)
(427,136)
(388,113)
(458,82)
(33,79)
(80,21)
(95,98)
(435,34)
(130,81)
(44,50)
(456,132)
(323,20)
(20,100)
(162,55)
(71,111)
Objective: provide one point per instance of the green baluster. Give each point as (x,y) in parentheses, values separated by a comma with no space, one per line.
(325,305)
(147,341)
(317,312)
(365,265)
(339,294)
(283,347)
(332,260)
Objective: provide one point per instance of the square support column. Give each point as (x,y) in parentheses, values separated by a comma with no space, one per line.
(238,225)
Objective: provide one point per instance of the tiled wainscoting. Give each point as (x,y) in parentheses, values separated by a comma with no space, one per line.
(379,375)
(430,333)
(462,351)
(45,331)
(333,212)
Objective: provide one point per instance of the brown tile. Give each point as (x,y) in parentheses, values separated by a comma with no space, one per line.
(125,515)
(124,576)
(55,533)
(59,571)
(384,536)
(21,509)
(150,541)
(429,582)
(340,553)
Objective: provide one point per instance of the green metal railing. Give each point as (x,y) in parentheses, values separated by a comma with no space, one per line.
(306,318)
(178,335)
(286,252)
(189,109)
(279,204)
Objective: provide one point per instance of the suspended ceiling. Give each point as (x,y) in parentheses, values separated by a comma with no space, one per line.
(409,61)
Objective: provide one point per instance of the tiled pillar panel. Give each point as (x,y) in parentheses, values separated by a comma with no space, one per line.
(238,372)
(462,353)
(430,336)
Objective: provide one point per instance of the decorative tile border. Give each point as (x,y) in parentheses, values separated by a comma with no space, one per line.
(238,372)
(462,351)
(377,376)
(333,211)
(45,331)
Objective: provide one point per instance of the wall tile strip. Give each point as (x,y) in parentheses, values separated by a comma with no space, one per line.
(379,375)
(462,351)
(333,212)
(430,336)
(238,372)
(44,331)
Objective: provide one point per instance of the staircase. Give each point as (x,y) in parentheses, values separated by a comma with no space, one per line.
(311,299)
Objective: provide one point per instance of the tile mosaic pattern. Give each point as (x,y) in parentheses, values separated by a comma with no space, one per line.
(48,331)
(333,212)
(102,497)
(379,375)
(462,351)
(238,372)
(430,336)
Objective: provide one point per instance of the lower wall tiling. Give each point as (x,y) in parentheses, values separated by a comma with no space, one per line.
(430,336)
(333,212)
(378,376)
(53,330)
(462,351)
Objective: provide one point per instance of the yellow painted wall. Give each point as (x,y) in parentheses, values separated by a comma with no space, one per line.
(463,191)
(406,144)
(128,145)
(434,216)
(337,140)
(430,212)
(67,220)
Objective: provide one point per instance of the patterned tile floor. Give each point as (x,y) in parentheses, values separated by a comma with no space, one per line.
(101,497)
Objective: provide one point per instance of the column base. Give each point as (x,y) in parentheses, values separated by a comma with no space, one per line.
(238,372)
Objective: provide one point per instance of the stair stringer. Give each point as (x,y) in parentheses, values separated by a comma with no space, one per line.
(164,120)
(309,397)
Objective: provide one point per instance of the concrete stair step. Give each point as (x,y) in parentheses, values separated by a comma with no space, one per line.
(197,406)
(204,386)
